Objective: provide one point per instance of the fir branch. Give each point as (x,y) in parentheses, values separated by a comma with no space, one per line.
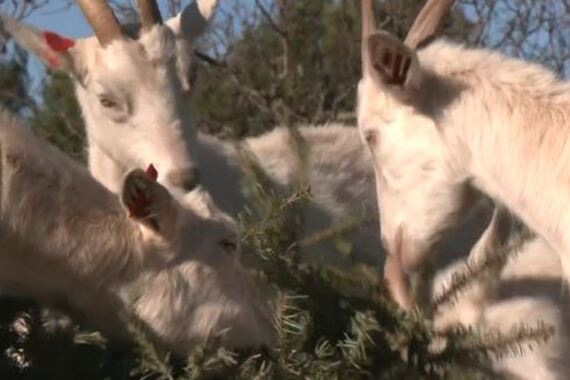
(292,321)
(93,338)
(149,359)
(468,344)
(357,345)
(473,271)
(210,359)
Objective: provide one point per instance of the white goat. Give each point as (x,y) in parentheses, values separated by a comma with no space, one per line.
(68,241)
(441,118)
(133,93)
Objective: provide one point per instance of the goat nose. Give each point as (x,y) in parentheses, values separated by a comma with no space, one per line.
(185,179)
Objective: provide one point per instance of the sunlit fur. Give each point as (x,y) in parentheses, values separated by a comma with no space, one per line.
(152,74)
(68,242)
(152,126)
(467,117)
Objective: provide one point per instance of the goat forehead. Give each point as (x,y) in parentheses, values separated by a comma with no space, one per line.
(123,59)
(129,61)
(158,44)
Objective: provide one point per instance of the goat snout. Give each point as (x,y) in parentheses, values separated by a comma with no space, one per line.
(184,179)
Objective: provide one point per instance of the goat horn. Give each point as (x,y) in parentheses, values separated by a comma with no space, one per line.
(150,13)
(102,19)
(368,27)
(427,22)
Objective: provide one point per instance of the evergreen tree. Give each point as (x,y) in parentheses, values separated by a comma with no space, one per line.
(297,63)
(14,81)
(58,118)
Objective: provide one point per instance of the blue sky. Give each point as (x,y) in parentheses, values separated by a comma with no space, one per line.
(57,17)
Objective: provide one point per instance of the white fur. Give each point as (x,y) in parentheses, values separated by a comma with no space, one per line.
(67,241)
(338,172)
(146,80)
(466,117)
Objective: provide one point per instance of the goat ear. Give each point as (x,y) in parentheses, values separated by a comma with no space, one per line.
(392,62)
(56,51)
(193,20)
(187,26)
(149,203)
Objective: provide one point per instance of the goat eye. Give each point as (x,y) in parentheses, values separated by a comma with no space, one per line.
(107,103)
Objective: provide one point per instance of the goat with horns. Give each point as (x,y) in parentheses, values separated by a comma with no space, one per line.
(133,93)
(442,119)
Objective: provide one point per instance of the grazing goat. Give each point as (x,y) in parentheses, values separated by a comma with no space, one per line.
(169,257)
(442,118)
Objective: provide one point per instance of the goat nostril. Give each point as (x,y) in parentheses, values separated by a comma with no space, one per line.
(185,179)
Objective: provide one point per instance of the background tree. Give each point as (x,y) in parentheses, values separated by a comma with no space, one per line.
(14,82)
(285,62)
(57,117)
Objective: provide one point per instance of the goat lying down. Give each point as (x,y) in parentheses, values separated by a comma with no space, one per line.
(172,258)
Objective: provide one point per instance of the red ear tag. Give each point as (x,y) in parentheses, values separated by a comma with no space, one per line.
(152,172)
(139,207)
(58,43)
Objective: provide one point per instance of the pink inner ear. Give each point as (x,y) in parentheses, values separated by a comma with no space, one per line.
(152,172)
(58,43)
